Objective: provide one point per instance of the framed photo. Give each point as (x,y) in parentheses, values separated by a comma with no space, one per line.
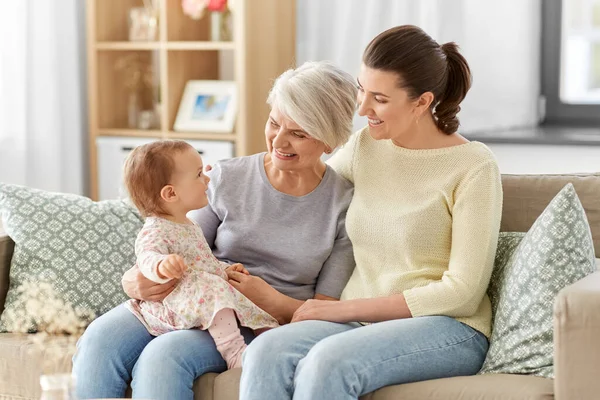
(207,106)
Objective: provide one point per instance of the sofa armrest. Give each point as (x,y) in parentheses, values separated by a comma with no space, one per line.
(6,251)
(576,340)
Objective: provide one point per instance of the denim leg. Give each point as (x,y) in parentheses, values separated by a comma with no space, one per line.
(169,365)
(349,364)
(269,363)
(107,352)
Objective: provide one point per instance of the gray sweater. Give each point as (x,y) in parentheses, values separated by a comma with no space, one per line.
(298,245)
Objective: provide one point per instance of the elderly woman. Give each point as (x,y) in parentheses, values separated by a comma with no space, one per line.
(280,213)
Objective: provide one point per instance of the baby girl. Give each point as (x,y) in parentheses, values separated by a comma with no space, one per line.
(165,181)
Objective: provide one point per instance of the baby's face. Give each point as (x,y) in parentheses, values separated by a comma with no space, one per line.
(189,181)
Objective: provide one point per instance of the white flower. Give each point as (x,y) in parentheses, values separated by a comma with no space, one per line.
(57,323)
(194,8)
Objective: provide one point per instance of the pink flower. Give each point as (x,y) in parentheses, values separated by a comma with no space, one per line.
(217,5)
(194,8)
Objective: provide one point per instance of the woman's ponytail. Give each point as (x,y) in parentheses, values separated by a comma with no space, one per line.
(458,83)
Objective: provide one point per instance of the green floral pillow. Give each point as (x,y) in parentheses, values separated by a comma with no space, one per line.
(529,271)
(80,246)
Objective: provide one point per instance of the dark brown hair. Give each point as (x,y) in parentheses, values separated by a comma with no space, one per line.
(147,170)
(423,66)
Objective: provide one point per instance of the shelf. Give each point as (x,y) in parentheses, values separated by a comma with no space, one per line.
(131,133)
(263,46)
(230,137)
(128,45)
(125,45)
(227,137)
(206,45)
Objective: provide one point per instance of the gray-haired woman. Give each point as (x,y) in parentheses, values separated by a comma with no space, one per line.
(280,213)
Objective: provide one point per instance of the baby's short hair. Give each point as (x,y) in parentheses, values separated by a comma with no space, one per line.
(147,170)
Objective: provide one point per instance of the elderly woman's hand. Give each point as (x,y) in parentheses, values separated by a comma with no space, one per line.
(263,295)
(324,310)
(137,286)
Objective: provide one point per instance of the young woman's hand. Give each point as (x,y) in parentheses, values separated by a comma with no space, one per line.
(137,286)
(324,310)
(237,268)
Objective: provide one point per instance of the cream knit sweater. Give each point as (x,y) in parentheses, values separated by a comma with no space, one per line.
(423,223)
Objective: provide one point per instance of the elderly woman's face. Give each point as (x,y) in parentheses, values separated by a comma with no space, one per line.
(290,147)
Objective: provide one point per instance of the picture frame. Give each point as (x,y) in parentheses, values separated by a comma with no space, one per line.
(207,106)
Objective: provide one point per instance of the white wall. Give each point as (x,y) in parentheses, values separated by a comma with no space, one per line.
(501,41)
(546,159)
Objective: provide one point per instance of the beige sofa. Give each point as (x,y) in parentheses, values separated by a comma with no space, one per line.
(576,325)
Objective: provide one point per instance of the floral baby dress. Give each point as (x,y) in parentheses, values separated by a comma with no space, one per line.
(202,291)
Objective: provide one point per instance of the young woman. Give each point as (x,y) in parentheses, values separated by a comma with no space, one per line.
(424,224)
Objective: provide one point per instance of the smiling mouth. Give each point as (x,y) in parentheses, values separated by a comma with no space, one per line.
(288,155)
(374,122)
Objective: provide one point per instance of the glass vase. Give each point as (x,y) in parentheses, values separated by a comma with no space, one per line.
(133,109)
(58,387)
(221,26)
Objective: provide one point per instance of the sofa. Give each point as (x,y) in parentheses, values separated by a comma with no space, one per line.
(576,324)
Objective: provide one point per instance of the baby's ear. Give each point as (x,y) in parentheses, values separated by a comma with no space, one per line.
(167,193)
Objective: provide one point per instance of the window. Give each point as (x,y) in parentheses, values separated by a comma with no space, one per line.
(571,61)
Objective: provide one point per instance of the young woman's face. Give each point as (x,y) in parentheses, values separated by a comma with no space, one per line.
(390,111)
(290,147)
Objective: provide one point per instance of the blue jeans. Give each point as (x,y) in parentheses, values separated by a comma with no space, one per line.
(326,360)
(116,349)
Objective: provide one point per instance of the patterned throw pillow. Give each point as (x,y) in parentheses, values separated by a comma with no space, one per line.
(529,272)
(80,246)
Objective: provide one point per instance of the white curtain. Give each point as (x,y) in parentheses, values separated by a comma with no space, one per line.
(42,112)
(500,40)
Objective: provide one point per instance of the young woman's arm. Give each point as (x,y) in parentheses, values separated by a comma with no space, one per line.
(280,306)
(363,310)
(343,159)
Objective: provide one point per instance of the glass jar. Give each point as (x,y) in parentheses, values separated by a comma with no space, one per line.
(58,387)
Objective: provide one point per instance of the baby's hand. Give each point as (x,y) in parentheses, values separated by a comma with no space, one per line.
(237,268)
(172,267)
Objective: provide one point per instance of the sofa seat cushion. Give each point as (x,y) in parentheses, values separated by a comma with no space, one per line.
(20,367)
(480,387)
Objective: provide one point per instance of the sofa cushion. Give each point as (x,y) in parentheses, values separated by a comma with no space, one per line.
(80,246)
(526,196)
(479,387)
(497,387)
(529,272)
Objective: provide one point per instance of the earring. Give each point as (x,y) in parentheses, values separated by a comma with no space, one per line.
(328,151)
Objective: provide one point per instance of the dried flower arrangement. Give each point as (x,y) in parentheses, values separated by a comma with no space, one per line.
(51,324)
